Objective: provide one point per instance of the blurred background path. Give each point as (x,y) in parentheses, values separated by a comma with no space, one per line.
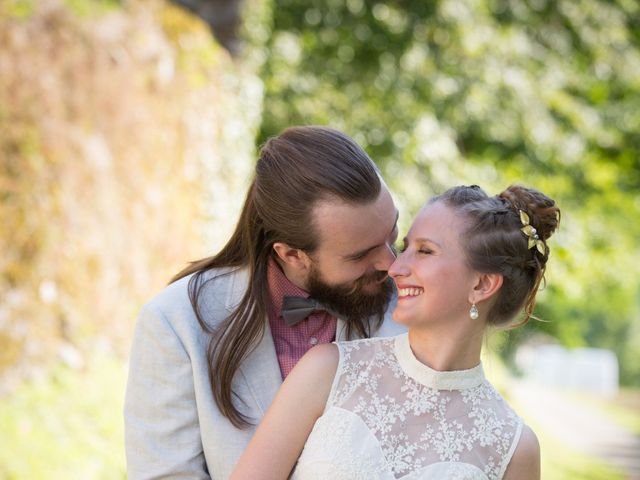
(579,425)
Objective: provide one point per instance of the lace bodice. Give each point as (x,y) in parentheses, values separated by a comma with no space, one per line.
(389,417)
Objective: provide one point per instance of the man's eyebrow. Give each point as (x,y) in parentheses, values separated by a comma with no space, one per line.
(365,251)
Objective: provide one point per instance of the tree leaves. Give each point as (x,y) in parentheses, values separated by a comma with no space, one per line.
(490,92)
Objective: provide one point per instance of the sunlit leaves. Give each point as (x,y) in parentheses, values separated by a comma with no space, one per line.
(545,93)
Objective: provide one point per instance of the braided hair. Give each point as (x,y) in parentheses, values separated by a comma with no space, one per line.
(495,243)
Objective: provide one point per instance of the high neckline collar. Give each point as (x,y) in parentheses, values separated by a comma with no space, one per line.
(427,376)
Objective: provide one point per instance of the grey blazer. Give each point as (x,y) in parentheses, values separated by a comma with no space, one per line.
(173,428)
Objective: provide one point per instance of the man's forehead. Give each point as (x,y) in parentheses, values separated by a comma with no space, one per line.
(372,242)
(332,211)
(347,228)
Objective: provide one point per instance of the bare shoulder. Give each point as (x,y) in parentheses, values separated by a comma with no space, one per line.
(320,362)
(525,463)
(311,379)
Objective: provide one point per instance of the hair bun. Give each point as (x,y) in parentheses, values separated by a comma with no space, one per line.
(543,213)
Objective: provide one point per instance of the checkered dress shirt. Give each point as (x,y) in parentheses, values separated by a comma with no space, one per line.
(292,343)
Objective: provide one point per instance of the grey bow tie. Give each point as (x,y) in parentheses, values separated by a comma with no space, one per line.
(296,309)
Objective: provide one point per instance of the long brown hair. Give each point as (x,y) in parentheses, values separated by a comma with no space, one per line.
(294,171)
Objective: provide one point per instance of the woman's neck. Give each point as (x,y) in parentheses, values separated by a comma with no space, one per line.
(444,348)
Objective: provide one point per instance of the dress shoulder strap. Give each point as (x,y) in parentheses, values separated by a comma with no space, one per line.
(357,358)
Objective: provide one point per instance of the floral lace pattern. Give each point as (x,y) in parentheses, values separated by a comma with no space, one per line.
(389,416)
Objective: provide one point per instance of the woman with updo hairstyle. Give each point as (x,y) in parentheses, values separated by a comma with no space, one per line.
(418,406)
(494,242)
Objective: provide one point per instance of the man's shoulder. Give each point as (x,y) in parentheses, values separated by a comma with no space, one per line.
(174,293)
(219,288)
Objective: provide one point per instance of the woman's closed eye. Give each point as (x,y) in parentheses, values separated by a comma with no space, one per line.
(422,250)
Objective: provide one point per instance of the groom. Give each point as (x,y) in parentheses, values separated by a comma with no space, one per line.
(307,264)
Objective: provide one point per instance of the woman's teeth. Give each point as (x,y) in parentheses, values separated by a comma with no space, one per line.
(410,292)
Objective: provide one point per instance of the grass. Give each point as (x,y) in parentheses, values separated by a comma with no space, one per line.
(66,425)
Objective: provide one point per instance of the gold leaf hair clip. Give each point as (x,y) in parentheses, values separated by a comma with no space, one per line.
(531,233)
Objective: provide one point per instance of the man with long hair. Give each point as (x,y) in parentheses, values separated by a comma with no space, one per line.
(306,264)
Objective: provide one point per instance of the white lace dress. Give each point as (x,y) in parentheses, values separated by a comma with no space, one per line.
(389,417)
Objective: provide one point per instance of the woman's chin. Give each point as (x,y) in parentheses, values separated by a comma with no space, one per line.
(401,318)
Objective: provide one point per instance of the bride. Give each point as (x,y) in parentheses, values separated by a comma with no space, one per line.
(418,406)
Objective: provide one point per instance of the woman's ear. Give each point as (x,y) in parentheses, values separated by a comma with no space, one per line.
(486,287)
(292,259)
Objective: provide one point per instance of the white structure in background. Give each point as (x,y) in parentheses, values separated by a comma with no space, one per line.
(592,370)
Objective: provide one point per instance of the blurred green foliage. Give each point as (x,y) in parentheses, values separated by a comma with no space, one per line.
(490,92)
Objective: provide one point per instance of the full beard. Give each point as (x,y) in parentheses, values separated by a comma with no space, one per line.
(350,300)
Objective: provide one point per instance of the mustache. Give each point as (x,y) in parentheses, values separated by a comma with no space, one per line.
(375,277)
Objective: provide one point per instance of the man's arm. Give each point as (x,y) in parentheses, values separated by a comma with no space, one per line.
(162,431)
(282,433)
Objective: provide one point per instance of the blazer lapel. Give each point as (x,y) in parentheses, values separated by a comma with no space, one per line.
(341,330)
(260,370)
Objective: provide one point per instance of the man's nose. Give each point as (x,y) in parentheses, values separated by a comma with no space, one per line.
(385,258)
